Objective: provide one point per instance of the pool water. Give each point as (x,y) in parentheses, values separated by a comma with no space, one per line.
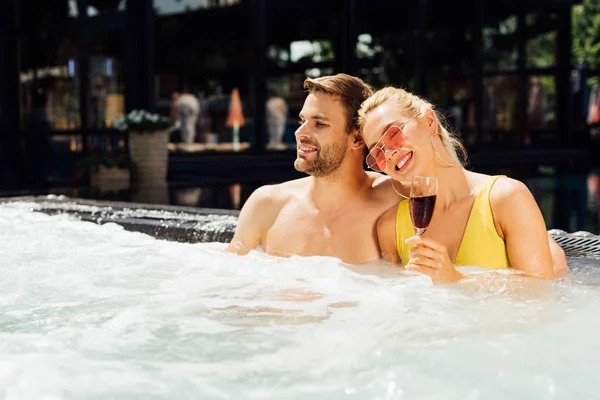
(96,312)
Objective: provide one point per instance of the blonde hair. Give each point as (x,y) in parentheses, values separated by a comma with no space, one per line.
(413,105)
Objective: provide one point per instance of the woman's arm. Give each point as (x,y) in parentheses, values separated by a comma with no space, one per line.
(520,220)
(559,260)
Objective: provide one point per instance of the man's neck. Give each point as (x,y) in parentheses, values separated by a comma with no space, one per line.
(329,192)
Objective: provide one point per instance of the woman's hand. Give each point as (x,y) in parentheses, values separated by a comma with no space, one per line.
(431,258)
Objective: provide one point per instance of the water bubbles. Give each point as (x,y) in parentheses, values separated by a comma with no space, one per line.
(95,311)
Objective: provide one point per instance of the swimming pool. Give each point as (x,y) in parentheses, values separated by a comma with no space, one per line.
(95,311)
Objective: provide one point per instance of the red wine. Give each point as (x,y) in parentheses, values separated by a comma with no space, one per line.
(421,210)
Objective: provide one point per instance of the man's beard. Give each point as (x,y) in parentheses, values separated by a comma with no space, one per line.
(327,161)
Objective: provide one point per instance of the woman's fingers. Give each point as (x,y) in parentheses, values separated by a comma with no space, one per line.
(425,262)
(421,269)
(425,252)
(431,258)
(422,241)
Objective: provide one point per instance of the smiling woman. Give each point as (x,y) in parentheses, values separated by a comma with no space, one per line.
(393,138)
(481,220)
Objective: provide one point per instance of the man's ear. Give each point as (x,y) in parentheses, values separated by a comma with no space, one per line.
(357,140)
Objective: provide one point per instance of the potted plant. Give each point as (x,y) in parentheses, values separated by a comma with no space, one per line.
(109,170)
(148,140)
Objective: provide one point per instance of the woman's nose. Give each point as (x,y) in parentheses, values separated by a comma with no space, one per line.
(389,152)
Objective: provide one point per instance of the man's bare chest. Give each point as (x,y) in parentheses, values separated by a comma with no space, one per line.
(348,236)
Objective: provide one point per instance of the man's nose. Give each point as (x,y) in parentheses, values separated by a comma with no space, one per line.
(300,132)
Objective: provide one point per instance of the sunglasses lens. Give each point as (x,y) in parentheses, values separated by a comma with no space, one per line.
(376,160)
(394,138)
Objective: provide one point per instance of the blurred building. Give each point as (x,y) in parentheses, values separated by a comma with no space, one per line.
(502,72)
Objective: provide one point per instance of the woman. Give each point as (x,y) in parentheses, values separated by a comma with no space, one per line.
(478,220)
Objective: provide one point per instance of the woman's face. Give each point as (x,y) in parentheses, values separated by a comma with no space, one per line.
(399,143)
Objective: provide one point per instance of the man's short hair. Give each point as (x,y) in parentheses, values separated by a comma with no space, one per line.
(351,90)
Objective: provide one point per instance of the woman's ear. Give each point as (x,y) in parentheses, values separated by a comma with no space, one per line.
(432,122)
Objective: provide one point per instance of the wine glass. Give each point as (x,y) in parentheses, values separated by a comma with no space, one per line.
(423,193)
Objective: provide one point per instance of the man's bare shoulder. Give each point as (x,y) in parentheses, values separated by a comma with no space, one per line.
(278,194)
(294,185)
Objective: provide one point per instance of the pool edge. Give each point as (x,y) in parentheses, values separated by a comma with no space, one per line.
(199,224)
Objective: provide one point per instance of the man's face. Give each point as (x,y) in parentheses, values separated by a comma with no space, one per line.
(321,139)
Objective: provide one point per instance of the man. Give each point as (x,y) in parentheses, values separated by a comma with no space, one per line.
(333,212)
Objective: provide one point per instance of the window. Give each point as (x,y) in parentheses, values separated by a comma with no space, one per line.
(386,49)
(541,108)
(541,40)
(49,89)
(205,84)
(500,45)
(166,7)
(106,87)
(49,70)
(449,76)
(300,44)
(540,34)
(499,108)
(102,7)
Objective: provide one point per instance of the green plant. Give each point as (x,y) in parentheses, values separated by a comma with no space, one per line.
(143,121)
(109,159)
(586,32)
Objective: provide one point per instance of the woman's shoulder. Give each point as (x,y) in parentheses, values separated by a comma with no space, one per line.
(388,218)
(506,188)
(510,197)
(502,185)
(507,198)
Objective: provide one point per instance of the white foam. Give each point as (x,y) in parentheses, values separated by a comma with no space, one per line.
(91,311)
